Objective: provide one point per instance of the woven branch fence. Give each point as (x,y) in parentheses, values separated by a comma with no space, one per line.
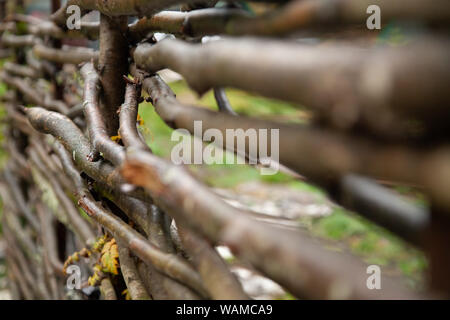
(136,222)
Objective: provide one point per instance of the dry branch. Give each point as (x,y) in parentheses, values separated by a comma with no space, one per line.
(222,101)
(79,148)
(20,70)
(113,64)
(107,290)
(216,275)
(72,55)
(80,226)
(19,198)
(398,94)
(193,23)
(304,270)
(299,15)
(355,155)
(130,274)
(348,86)
(14,41)
(167,263)
(96,122)
(148,219)
(32,95)
(49,241)
(128,117)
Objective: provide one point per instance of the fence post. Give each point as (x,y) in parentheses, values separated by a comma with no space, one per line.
(113,64)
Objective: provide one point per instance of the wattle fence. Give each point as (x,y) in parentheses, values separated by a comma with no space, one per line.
(381,113)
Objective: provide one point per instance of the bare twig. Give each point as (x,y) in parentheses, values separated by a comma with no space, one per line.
(304,271)
(130,274)
(337,81)
(72,55)
(101,142)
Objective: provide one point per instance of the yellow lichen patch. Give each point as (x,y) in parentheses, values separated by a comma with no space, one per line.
(97,277)
(98,245)
(139,120)
(85,253)
(126,293)
(116,138)
(110,257)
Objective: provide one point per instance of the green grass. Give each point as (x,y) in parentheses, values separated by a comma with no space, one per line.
(374,244)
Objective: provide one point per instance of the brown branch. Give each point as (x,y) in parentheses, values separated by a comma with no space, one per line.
(164,288)
(80,226)
(193,23)
(384,207)
(71,171)
(49,241)
(29,274)
(42,28)
(7,26)
(79,148)
(356,155)
(222,101)
(17,156)
(130,274)
(114,8)
(301,15)
(5,53)
(21,70)
(155,221)
(113,64)
(152,221)
(64,129)
(35,63)
(128,117)
(309,13)
(169,264)
(75,111)
(21,235)
(101,142)
(19,198)
(217,278)
(305,264)
(33,95)
(107,289)
(337,81)
(14,41)
(17,275)
(160,285)
(71,55)
(18,119)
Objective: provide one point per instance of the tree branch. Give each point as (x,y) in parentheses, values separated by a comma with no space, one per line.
(336,81)
(305,269)
(101,142)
